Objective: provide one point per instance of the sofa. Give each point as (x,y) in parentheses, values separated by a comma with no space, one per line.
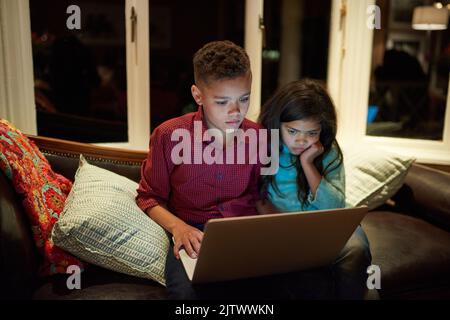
(409,236)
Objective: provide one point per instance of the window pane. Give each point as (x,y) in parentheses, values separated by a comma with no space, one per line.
(178,28)
(297,33)
(80,75)
(410,76)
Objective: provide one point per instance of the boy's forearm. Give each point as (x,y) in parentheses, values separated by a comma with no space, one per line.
(164,218)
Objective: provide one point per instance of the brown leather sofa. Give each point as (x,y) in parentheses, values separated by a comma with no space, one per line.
(409,236)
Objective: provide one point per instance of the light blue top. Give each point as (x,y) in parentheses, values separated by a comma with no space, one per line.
(329,195)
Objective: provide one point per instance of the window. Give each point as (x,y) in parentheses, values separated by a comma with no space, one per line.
(355,51)
(297,37)
(225,19)
(80,78)
(178,29)
(17,76)
(409,76)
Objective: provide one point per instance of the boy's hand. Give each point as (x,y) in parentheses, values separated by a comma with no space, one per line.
(188,237)
(311,153)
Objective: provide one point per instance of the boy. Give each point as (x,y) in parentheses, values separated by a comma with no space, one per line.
(183,197)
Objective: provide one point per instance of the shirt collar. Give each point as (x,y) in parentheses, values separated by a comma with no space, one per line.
(284,149)
(286,158)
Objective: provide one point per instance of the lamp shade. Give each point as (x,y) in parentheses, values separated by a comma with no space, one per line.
(430,18)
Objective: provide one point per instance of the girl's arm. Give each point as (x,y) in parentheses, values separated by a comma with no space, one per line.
(307,160)
(312,176)
(330,193)
(326,192)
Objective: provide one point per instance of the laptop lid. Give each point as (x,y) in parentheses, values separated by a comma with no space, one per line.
(245,247)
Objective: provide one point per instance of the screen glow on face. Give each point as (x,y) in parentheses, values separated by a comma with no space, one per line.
(299,135)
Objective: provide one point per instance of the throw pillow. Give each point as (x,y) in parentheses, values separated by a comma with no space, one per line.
(102,224)
(373,176)
(43,193)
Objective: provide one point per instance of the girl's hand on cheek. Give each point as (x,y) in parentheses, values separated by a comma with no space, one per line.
(311,153)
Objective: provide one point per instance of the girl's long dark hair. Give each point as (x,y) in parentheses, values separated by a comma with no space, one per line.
(303,100)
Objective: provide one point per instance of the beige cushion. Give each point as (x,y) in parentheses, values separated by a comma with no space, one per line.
(102,224)
(373,176)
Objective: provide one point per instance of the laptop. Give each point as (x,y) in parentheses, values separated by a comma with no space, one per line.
(254,246)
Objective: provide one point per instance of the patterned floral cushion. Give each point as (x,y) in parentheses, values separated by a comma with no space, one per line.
(43,193)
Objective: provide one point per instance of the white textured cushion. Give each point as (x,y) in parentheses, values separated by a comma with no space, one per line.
(373,176)
(102,224)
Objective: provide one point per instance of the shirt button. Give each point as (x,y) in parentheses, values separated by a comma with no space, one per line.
(219,176)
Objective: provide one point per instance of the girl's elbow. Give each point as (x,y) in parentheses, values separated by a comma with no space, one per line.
(340,203)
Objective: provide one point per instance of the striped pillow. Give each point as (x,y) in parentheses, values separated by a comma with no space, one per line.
(373,176)
(102,224)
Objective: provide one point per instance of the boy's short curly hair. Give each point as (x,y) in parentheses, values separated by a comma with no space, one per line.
(220,60)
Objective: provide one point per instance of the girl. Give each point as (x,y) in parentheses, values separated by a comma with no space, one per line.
(311,172)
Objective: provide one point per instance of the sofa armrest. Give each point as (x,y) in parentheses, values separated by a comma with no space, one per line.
(426,194)
(64,156)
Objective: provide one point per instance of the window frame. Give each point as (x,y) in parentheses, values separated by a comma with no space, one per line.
(350,61)
(348,77)
(17,103)
(254,13)
(17,73)
(138,79)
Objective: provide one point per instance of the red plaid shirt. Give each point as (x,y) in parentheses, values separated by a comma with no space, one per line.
(196,192)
